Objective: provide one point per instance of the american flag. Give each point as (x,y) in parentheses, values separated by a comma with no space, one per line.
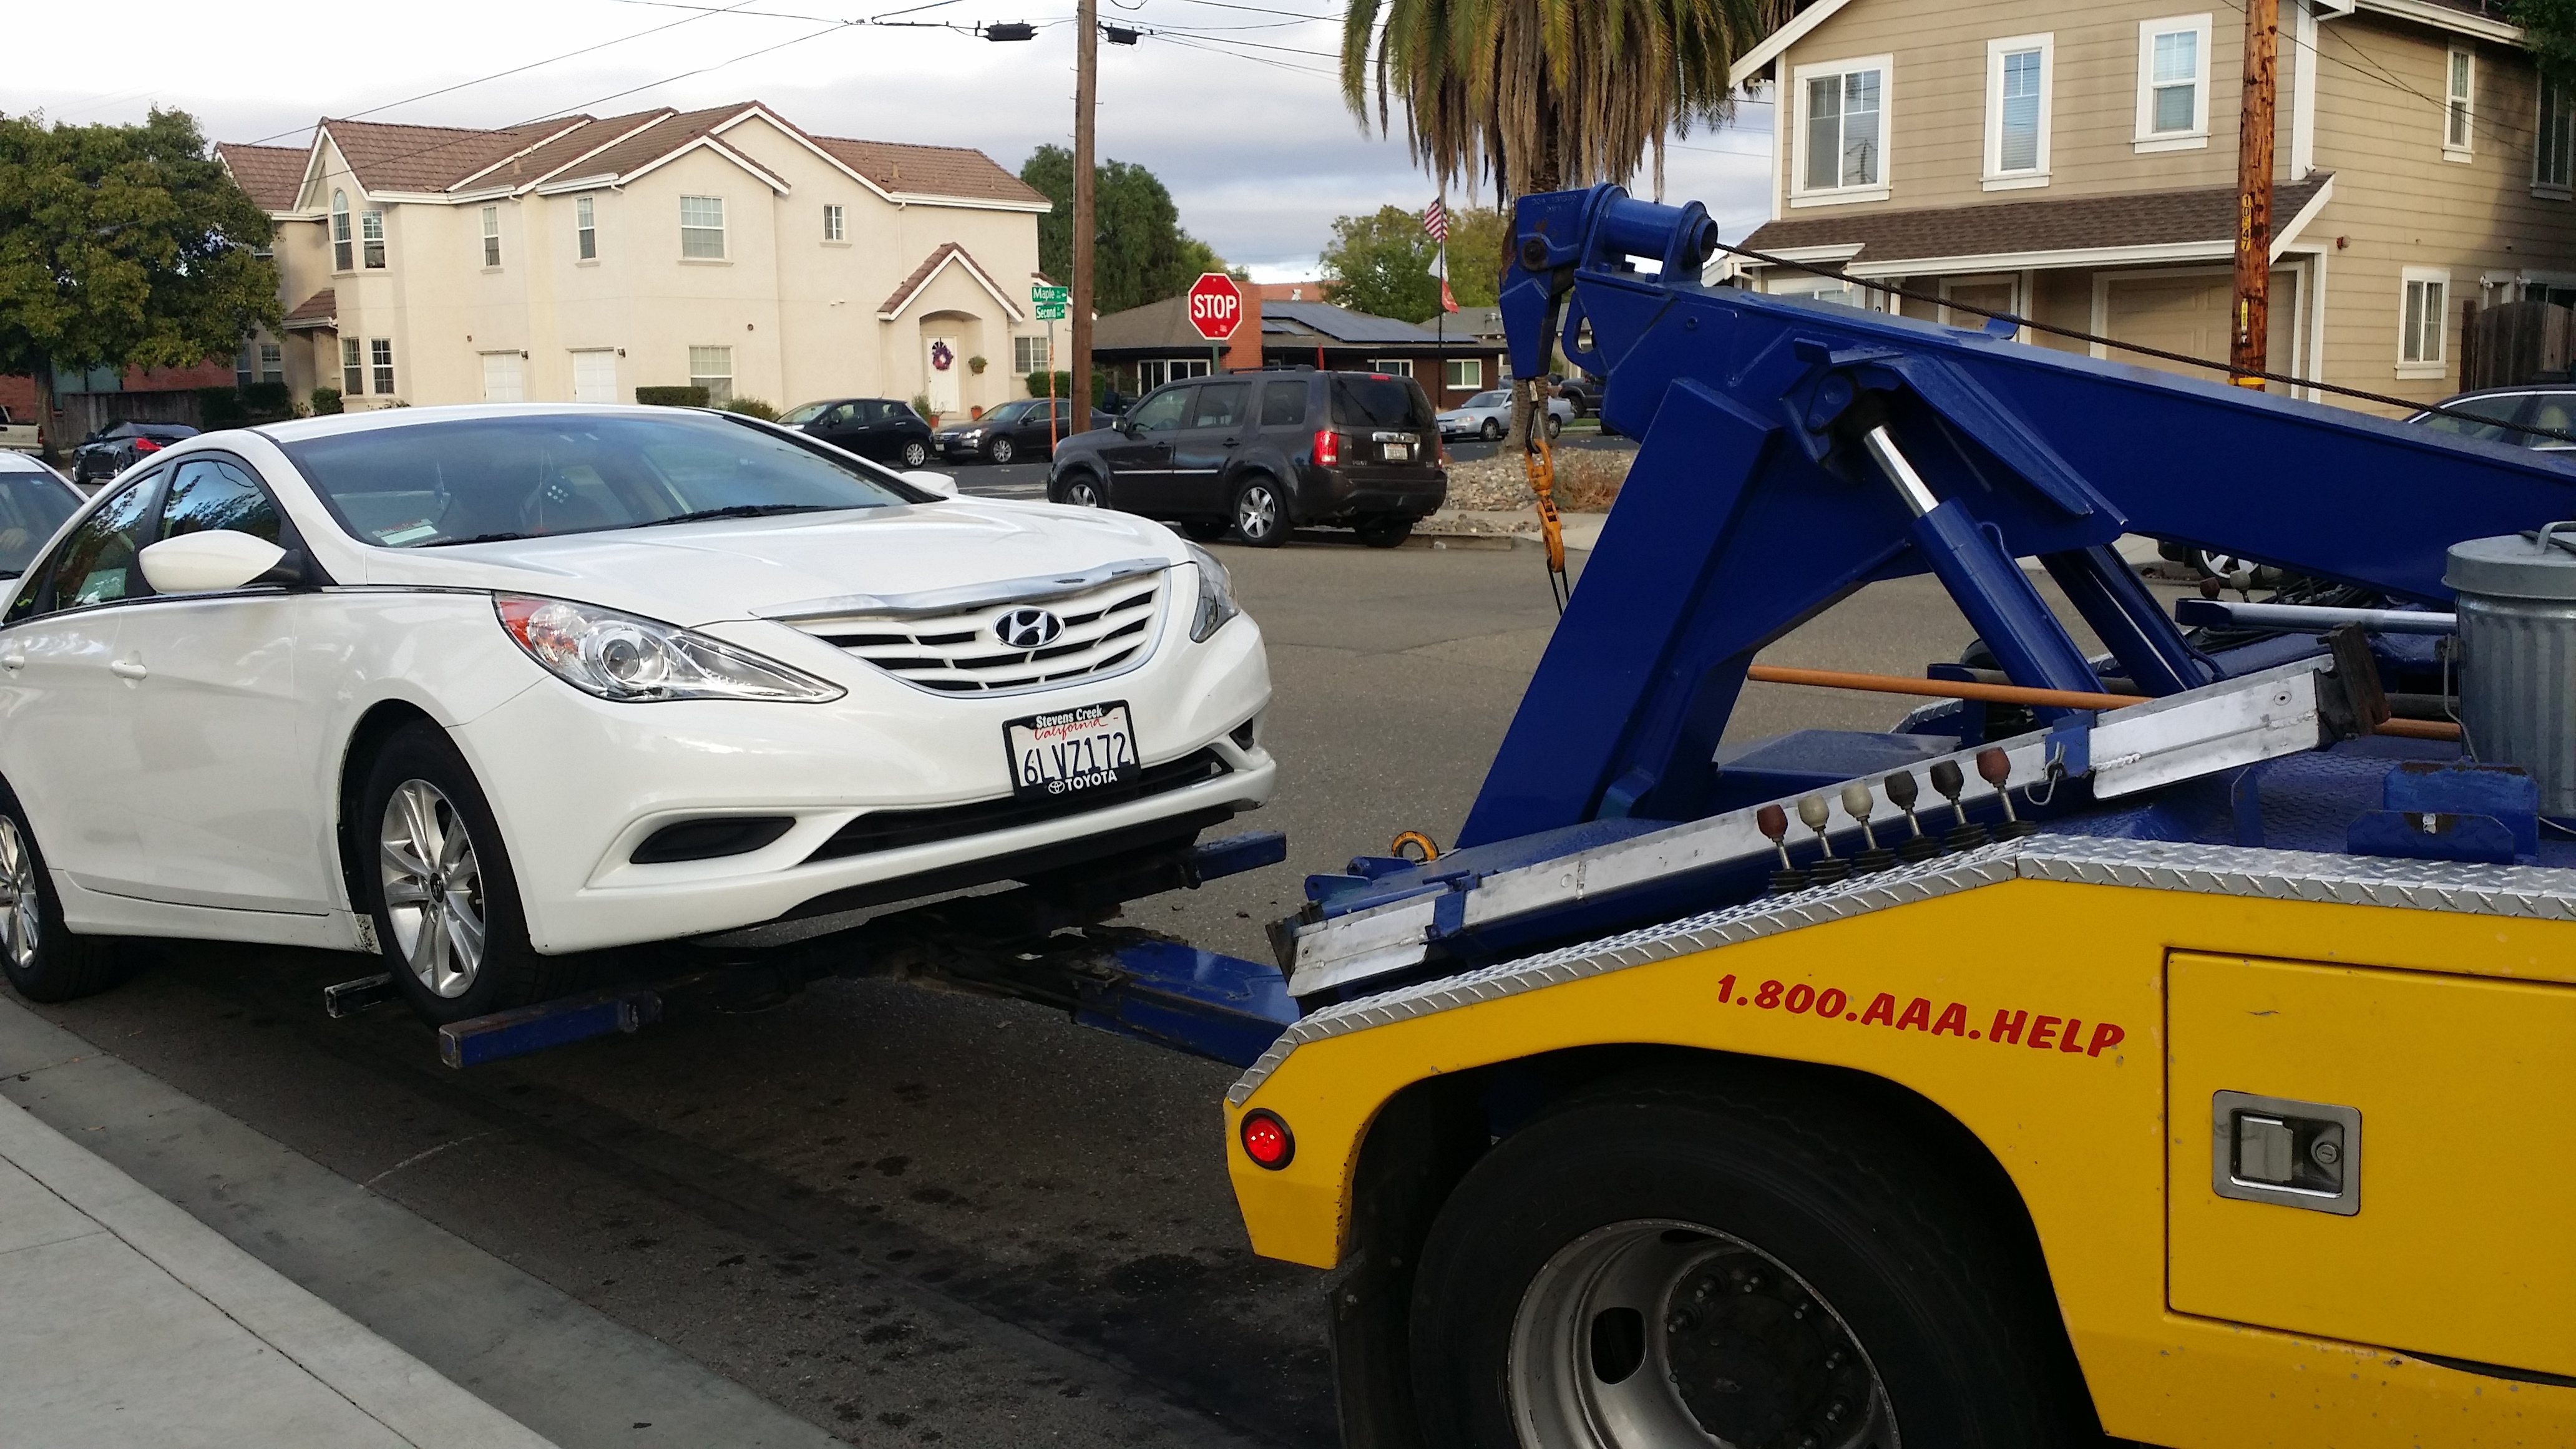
(1435,220)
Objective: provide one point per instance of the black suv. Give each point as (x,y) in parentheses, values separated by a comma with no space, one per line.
(872,427)
(1262,453)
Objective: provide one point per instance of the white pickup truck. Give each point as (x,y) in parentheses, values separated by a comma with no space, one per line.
(17,436)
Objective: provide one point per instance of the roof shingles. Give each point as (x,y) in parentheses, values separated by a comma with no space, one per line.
(2067,224)
(273,175)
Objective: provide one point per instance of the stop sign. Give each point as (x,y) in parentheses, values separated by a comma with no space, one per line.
(1216,305)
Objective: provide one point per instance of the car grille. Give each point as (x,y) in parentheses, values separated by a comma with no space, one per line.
(1105,629)
(896,829)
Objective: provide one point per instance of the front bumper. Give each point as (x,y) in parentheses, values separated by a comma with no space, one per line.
(578,783)
(954,447)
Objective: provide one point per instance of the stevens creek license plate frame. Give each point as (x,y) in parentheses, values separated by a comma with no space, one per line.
(1088,747)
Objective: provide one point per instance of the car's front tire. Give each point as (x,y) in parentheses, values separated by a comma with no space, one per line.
(1261,512)
(1491,431)
(1555,425)
(915,453)
(1001,450)
(1082,492)
(439,885)
(43,960)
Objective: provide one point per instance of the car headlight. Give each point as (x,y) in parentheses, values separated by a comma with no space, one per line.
(641,661)
(1216,595)
(970,434)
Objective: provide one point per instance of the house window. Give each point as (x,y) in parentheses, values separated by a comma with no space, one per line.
(491,236)
(243,376)
(353,367)
(2017,110)
(343,252)
(1154,372)
(1826,288)
(1029,354)
(702,227)
(272,362)
(712,368)
(2173,83)
(2423,323)
(1842,119)
(1466,372)
(1395,366)
(371,236)
(833,219)
(585,229)
(2550,157)
(2456,105)
(380,356)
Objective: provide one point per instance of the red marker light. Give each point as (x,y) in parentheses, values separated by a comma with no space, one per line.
(1328,449)
(146,445)
(1266,1139)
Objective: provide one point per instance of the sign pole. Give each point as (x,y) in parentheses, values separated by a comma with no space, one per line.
(1053,414)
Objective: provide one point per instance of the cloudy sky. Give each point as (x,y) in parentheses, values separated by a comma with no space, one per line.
(1232,102)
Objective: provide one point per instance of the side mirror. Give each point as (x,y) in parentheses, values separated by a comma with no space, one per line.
(216,561)
(923,479)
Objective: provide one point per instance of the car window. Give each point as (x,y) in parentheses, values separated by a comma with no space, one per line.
(1012,412)
(2507,408)
(211,493)
(2555,411)
(1283,404)
(1489,400)
(1379,402)
(1221,404)
(32,506)
(97,564)
(1162,412)
(803,413)
(467,479)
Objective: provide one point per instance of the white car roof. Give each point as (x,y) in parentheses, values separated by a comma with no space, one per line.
(372,419)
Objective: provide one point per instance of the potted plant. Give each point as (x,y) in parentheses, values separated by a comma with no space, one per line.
(921,405)
(975,365)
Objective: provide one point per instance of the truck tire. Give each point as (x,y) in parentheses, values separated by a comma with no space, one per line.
(43,960)
(1670,1265)
(438,884)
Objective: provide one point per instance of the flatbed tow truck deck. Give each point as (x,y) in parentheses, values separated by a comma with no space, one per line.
(2173,1044)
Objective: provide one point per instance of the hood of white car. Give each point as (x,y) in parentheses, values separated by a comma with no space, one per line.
(698,573)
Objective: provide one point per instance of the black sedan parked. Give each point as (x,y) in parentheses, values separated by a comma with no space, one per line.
(113,449)
(1012,431)
(872,427)
(1260,454)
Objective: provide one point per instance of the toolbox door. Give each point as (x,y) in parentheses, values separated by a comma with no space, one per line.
(2384,1157)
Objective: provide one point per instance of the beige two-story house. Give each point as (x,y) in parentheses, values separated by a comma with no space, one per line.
(582,258)
(2075,162)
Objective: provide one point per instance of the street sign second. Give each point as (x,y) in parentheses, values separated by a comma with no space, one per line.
(1216,306)
(1049,302)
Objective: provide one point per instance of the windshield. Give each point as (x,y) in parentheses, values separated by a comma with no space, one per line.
(1489,400)
(32,506)
(2502,409)
(482,479)
(1010,412)
(806,414)
(1379,402)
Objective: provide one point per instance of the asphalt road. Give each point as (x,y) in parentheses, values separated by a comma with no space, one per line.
(909,1215)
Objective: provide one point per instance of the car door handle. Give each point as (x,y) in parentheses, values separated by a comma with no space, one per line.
(128,669)
(1230,442)
(13,662)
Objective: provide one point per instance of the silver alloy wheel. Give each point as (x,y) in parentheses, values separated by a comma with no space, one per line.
(433,888)
(1490,431)
(1081,494)
(1004,450)
(1659,1332)
(915,453)
(21,915)
(1256,513)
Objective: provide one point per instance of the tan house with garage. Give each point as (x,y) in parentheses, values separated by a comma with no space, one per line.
(580,259)
(2075,162)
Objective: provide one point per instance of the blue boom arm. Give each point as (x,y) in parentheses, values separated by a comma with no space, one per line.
(1794,451)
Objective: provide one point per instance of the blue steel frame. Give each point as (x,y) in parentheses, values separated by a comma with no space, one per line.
(1754,502)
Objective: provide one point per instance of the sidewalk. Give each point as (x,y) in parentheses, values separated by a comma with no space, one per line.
(130,1322)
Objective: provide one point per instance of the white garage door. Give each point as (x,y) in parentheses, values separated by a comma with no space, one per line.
(594,376)
(501,378)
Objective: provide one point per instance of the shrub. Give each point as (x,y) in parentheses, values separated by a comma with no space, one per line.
(1038,383)
(672,397)
(752,407)
(326,401)
(218,407)
(267,400)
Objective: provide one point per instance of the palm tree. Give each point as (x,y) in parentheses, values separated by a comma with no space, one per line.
(1546,94)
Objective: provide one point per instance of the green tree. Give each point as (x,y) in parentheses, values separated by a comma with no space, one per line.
(1476,256)
(1139,253)
(123,246)
(1381,264)
(2549,28)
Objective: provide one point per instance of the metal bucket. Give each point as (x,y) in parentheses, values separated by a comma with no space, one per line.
(2517,610)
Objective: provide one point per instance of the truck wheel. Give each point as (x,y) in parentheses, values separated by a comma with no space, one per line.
(43,960)
(1682,1266)
(439,886)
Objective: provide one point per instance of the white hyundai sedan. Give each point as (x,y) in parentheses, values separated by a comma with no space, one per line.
(477,687)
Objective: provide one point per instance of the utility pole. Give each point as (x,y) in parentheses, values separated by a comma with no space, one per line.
(2249,346)
(1086,99)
